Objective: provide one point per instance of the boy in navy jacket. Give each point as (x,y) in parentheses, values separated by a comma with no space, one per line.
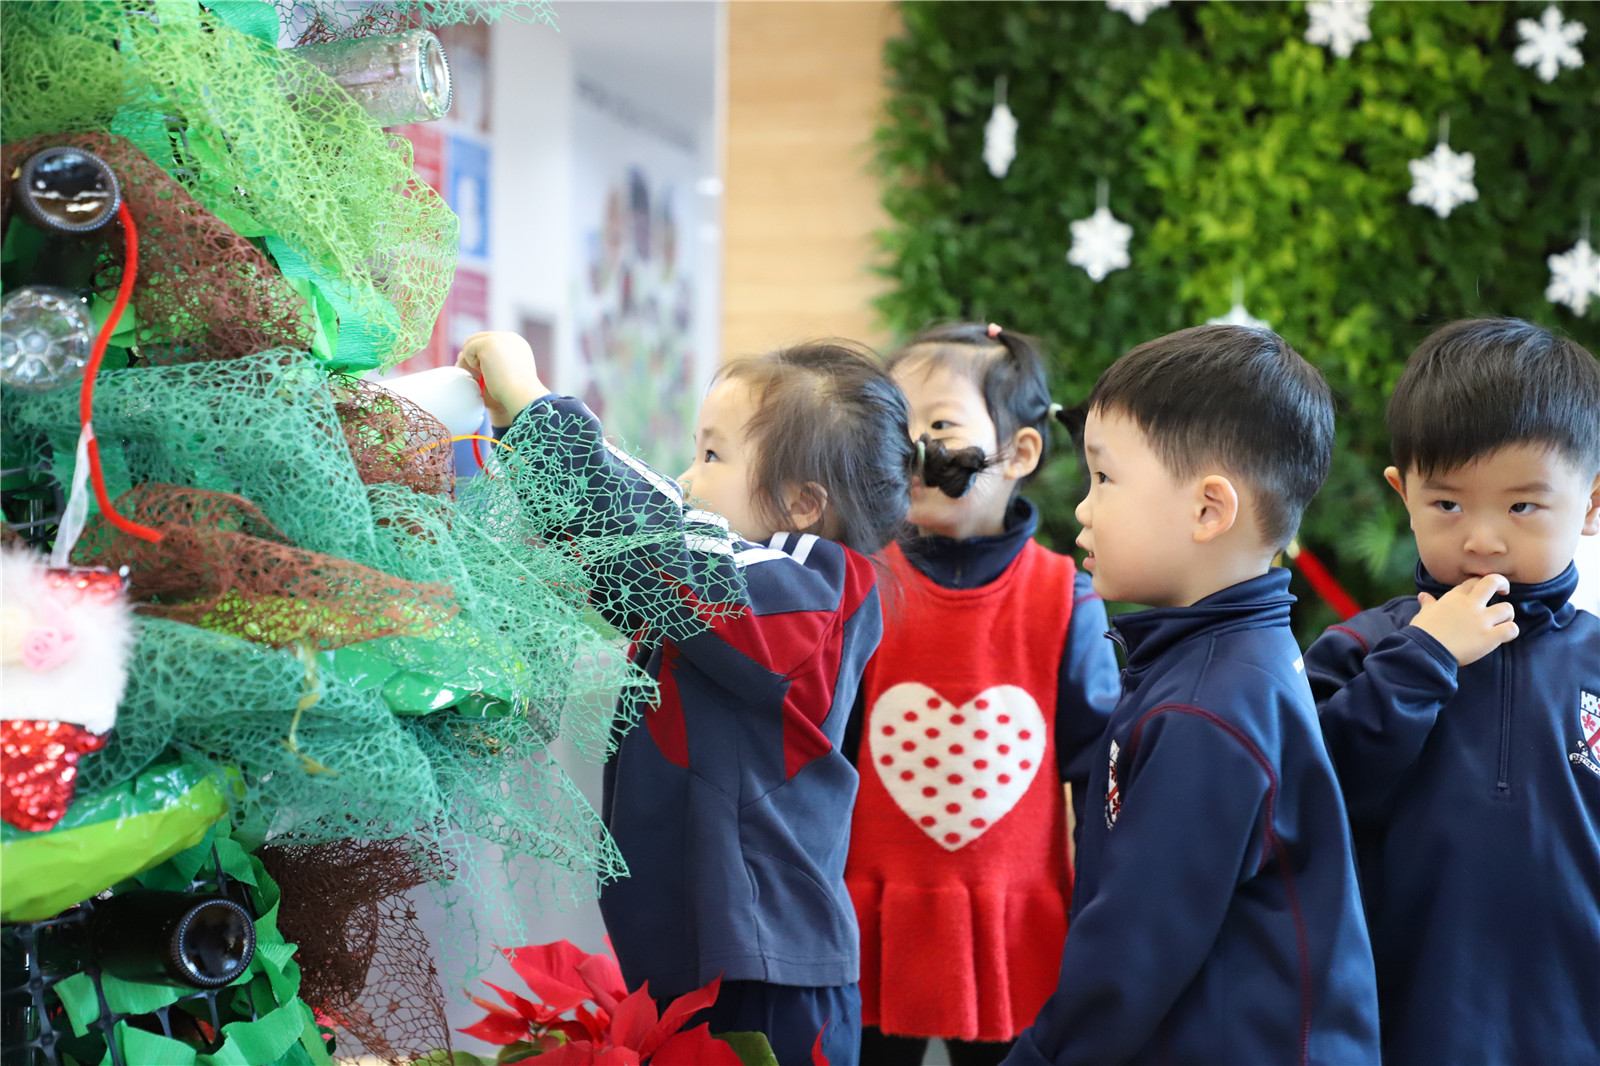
(1216,917)
(1465,721)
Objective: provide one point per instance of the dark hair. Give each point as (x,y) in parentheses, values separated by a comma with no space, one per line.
(1008,370)
(1485,383)
(1237,397)
(828,412)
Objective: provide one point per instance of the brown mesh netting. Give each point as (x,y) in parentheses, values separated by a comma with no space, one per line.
(221,565)
(203,292)
(392,440)
(366,966)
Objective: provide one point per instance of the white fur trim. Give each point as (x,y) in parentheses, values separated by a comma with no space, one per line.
(86,688)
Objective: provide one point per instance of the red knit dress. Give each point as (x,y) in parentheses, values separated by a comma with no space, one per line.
(958,865)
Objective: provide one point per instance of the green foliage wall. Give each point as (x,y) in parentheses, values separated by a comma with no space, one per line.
(1237,150)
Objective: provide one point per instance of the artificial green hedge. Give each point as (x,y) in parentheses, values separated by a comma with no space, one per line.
(1236,150)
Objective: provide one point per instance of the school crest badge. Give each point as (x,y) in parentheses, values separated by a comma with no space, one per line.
(1113,789)
(1588,753)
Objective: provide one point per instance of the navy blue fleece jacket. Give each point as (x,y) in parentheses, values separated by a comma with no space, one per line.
(1475,798)
(728,795)
(1216,917)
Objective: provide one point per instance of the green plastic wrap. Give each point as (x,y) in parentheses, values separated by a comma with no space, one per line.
(105,837)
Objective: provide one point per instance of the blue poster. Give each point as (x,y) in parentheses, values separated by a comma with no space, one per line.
(467,192)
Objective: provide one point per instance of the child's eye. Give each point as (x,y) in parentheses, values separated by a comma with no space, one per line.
(1100,477)
(1448,506)
(1524,508)
(942,424)
(711,456)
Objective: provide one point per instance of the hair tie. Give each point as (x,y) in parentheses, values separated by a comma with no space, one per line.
(994,330)
(922,454)
(1055,409)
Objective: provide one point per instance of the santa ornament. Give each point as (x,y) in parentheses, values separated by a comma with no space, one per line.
(65,638)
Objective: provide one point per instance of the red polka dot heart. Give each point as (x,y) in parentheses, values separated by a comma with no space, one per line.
(956,771)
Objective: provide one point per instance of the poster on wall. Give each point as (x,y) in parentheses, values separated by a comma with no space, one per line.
(636,361)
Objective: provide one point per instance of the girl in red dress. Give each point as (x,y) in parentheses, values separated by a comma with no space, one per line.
(988,692)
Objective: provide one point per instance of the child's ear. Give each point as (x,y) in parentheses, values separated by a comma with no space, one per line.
(805,504)
(1216,507)
(1591,517)
(1027,446)
(1391,474)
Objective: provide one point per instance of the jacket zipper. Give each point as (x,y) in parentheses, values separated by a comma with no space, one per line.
(1503,784)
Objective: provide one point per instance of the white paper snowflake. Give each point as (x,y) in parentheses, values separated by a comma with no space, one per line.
(1574,277)
(1238,316)
(1137,10)
(1100,243)
(1000,140)
(1442,180)
(1549,44)
(1338,24)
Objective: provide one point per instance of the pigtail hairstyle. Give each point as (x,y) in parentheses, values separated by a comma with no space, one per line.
(1009,371)
(951,472)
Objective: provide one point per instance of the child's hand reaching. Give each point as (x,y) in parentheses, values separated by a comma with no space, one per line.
(503,364)
(1463,621)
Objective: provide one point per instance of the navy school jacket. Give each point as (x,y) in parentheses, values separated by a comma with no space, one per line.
(1475,797)
(1216,917)
(728,798)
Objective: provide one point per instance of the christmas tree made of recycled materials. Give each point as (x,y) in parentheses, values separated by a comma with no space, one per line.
(346,668)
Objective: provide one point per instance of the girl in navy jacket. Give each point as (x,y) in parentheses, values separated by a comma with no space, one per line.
(728,795)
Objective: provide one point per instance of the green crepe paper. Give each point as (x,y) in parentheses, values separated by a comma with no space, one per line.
(112,835)
(272,975)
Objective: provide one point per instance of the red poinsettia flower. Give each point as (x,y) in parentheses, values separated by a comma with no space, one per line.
(621,1029)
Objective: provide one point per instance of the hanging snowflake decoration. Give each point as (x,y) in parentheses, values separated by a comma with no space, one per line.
(1137,10)
(1338,24)
(1549,44)
(1100,243)
(1238,316)
(1000,135)
(1442,180)
(1574,277)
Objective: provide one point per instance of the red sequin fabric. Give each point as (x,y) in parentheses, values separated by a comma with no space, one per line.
(40,768)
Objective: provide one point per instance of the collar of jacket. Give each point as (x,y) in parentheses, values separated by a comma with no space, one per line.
(975,561)
(1259,603)
(1538,607)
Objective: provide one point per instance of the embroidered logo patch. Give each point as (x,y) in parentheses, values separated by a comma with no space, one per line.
(956,770)
(1588,753)
(1113,790)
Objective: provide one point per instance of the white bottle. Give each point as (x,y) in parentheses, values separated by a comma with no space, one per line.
(448,393)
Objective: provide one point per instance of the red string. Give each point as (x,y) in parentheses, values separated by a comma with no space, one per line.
(477,453)
(1324,584)
(130,270)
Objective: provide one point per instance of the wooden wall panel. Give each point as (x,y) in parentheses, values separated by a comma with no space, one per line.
(805,81)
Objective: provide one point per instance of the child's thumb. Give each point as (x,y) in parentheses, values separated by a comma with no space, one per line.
(1425,599)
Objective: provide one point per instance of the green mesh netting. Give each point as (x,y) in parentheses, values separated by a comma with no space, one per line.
(318,21)
(263,140)
(526,555)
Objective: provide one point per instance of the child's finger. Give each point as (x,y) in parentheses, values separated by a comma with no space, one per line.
(1425,599)
(1501,613)
(1487,586)
(1506,631)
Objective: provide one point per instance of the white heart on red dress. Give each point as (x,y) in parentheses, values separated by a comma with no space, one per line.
(956,770)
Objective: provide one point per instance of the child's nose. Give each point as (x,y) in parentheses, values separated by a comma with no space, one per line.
(1485,539)
(1081,512)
